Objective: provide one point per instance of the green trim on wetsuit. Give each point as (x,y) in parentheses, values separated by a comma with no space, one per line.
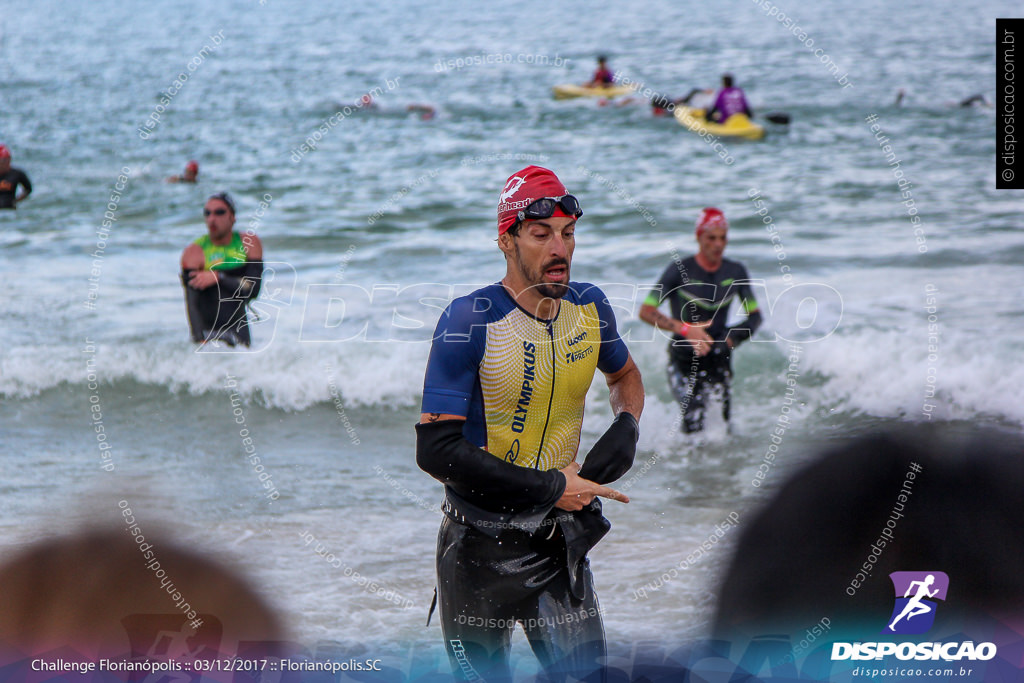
(749,305)
(222,256)
(699,296)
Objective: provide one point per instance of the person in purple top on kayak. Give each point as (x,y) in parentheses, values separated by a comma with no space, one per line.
(730,100)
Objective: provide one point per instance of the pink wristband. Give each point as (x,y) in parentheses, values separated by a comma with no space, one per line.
(686,328)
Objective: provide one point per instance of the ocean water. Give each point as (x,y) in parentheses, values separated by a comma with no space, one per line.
(390,216)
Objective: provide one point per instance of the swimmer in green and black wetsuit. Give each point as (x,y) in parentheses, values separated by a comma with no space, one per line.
(700,290)
(221,272)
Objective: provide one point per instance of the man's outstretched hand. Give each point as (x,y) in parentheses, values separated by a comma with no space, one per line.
(580,492)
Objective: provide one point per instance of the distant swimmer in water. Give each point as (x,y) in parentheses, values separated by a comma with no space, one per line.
(10,179)
(190,175)
(603,76)
(974,100)
(700,290)
(221,273)
(730,100)
(425,111)
(661,105)
(978,99)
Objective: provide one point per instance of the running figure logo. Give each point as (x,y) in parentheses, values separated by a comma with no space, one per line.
(511,188)
(914,612)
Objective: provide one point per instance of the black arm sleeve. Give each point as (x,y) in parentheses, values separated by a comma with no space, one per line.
(661,102)
(685,99)
(613,454)
(26,183)
(745,330)
(192,310)
(479,477)
(242,283)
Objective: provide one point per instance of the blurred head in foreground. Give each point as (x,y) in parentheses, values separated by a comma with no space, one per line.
(98,594)
(915,500)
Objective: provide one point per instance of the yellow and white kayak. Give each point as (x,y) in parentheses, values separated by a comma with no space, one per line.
(737,125)
(568,91)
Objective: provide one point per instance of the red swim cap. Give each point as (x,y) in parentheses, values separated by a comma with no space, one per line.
(522,189)
(192,166)
(4,152)
(711,218)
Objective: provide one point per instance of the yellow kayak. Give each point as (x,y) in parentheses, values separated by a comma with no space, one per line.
(737,125)
(568,91)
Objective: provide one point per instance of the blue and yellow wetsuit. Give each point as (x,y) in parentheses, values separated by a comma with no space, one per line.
(521,383)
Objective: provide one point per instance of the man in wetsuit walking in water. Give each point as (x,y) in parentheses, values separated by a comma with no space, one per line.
(221,272)
(700,290)
(503,403)
(10,179)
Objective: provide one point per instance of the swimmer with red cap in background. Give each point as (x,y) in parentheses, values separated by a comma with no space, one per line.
(425,111)
(700,290)
(503,399)
(10,179)
(190,175)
